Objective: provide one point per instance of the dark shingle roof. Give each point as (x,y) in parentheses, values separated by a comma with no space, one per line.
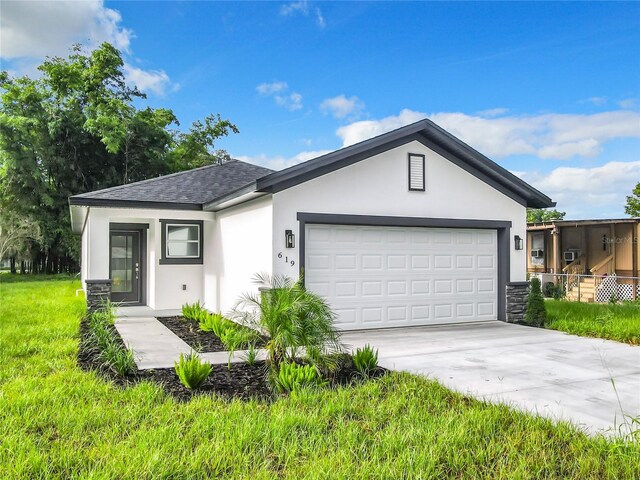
(186,190)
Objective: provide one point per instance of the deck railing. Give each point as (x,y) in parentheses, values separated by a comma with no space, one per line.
(573,271)
(603,269)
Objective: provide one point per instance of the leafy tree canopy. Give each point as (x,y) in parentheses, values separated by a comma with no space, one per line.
(539,215)
(77,128)
(632,208)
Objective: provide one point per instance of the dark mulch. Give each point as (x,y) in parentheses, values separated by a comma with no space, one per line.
(190,333)
(241,381)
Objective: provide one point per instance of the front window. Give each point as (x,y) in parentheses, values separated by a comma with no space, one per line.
(181,241)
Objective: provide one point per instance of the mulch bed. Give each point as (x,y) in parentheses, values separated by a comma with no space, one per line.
(190,333)
(241,381)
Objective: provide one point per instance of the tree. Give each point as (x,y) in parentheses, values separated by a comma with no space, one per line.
(536,313)
(632,208)
(539,215)
(194,148)
(15,233)
(78,128)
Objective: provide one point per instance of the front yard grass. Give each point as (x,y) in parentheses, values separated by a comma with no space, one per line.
(57,421)
(620,322)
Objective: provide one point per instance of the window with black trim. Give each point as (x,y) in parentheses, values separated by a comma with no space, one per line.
(416,172)
(181,242)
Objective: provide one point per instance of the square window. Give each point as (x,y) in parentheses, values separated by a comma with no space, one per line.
(181,242)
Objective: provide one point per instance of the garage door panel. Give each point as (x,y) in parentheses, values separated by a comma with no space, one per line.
(391,276)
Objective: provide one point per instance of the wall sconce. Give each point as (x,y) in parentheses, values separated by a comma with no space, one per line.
(289,239)
(518,243)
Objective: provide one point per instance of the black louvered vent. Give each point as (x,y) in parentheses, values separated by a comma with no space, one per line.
(416,172)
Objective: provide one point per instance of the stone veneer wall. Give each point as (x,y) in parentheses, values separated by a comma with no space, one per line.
(98,293)
(517,296)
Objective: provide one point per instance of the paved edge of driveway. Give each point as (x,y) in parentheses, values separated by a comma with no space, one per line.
(544,372)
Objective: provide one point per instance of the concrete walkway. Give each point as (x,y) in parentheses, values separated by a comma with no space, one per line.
(554,374)
(155,346)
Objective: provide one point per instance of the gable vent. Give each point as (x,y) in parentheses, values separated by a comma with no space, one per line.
(416,172)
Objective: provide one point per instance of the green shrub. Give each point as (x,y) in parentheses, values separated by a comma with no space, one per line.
(294,319)
(191,371)
(251,357)
(536,313)
(103,339)
(216,323)
(365,360)
(118,358)
(549,289)
(292,377)
(193,311)
(236,337)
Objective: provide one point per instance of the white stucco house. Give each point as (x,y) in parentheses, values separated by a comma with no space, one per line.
(412,227)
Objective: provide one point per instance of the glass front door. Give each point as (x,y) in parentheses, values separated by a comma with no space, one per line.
(125,267)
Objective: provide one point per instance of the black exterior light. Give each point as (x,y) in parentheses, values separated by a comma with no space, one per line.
(518,243)
(289,239)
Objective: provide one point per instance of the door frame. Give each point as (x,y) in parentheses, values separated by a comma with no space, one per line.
(141,229)
(502,227)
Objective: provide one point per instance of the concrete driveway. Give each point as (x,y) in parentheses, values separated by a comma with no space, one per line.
(554,374)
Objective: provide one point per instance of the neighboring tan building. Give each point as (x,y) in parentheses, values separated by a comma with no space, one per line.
(596,248)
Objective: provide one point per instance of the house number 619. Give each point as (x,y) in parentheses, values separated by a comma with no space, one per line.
(286,259)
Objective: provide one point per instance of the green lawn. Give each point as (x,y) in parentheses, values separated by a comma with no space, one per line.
(619,322)
(57,421)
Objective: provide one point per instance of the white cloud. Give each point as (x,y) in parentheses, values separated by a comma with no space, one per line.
(319,18)
(582,191)
(41,28)
(597,101)
(156,81)
(583,148)
(281,95)
(295,7)
(493,112)
(341,106)
(302,7)
(280,162)
(358,131)
(628,103)
(271,88)
(554,135)
(33,30)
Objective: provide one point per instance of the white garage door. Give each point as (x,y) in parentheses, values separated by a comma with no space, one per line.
(377,277)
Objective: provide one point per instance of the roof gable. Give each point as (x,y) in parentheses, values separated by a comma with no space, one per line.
(430,135)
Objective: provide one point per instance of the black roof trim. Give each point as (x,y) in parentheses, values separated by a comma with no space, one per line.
(430,135)
(101,202)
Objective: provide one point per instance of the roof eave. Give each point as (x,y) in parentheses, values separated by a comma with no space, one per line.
(241,195)
(113,203)
(78,214)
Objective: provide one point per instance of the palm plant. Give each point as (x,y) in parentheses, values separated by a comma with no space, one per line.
(294,319)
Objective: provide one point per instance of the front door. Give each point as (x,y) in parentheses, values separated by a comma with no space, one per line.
(125,265)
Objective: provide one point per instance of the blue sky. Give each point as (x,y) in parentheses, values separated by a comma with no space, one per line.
(550,91)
